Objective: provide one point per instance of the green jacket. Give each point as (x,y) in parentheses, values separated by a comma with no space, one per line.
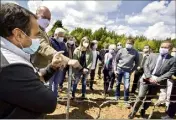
(89,57)
(45,53)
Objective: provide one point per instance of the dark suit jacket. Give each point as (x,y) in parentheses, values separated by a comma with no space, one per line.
(167,69)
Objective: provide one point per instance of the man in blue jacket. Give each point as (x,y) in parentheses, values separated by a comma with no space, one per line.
(59,45)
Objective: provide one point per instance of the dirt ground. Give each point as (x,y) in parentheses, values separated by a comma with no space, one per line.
(89,109)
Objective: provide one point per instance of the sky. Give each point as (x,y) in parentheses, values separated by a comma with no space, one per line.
(153,19)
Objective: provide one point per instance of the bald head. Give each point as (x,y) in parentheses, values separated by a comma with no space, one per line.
(43,12)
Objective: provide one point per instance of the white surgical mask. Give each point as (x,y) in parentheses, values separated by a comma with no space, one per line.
(164,51)
(129,46)
(43,22)
(71,42)
(85,45)
(60,39)
(173,54)
(119,47)
(95,46)
(33,48)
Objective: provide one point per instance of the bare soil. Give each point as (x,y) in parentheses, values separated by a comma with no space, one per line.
(89,109)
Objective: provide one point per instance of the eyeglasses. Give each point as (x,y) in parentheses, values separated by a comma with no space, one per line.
(119,45)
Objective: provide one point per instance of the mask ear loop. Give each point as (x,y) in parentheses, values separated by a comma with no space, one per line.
(25,35)
(21,45)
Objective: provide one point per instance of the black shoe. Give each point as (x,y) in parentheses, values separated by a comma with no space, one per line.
(131,116)
(83,97)
(72,98)
(166,117)
(91,89)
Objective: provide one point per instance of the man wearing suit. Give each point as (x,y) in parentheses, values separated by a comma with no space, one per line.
(157,69)
(138,73)
(171,109)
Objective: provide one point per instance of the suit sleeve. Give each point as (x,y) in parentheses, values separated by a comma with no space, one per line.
(168,74)
(24,90)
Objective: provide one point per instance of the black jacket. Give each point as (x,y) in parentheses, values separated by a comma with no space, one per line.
(23,95)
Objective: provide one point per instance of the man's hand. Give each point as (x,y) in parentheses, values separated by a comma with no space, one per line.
(59,60)
(116,73)
(74,63)
(153,81)
(85,71)
(138,68)
(41,77)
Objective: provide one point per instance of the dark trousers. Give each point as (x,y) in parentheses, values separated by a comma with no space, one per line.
(92,76)
(172,106)
(99,70)
(62,80)
(109,78)
(171,110)
(147,91)
(137,76)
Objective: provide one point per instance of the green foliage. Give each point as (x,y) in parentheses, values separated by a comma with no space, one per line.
(110,37)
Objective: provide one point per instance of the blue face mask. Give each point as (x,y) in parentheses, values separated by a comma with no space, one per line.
(33,48)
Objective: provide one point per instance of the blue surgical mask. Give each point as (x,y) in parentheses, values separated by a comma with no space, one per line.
(33,48)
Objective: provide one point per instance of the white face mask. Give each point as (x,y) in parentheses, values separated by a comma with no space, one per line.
(173,54)
(71,42)
(164,51)
(60,39)
(85,45)
(129,46)
(119,47)
(95,46)
(43,22)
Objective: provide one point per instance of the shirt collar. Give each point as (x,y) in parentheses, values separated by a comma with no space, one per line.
(13,48)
